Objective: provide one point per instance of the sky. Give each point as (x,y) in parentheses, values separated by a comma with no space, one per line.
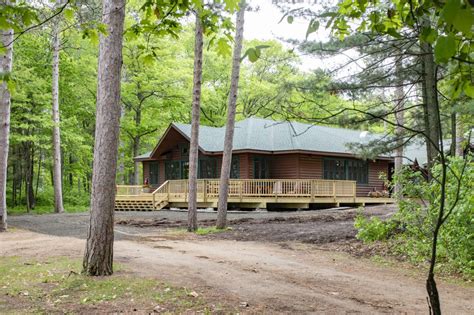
(265,24)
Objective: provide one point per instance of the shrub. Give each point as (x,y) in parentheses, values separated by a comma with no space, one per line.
(410,230)
(373,229)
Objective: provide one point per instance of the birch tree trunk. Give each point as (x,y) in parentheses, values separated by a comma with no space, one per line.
(194,145)
(57,176)
(6,62)
(98,257)
(400,118)
(229,130)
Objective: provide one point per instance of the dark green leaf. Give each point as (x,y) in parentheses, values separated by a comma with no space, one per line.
(445,48)
(312,27)
(429,35)
(463,21)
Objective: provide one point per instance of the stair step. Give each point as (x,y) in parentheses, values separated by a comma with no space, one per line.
(134,205)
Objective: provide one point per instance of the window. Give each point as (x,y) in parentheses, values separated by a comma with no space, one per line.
(260,167)
(207,168)
(184,169)
(172,170)
(154,172)
(184,150)
(345,169)
(235,167)
(358,170)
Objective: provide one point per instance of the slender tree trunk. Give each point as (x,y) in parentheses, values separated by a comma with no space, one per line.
(71,175)
(194,145)
(136,138)
(400,118)
(136,150)
(31,200)
(28,175)
(38,173)
(433,138)
(459,136)
(430,103)
(229,130)
(14,183)
(6,61)
(454,138)
(98,257)
(57,178)
(19,158)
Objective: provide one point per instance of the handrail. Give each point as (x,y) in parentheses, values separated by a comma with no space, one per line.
(156,191)
(159,191)
(130,190)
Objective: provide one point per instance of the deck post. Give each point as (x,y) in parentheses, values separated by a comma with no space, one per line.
(354,190)
(204,193)
(168,190)
(275,189)
(241,186)
(186,191)
(154,205)
(313,190)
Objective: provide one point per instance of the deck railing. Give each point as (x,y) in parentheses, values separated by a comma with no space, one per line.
(247,188)
(132,190)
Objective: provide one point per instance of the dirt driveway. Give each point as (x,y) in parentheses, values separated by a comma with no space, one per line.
(244,266)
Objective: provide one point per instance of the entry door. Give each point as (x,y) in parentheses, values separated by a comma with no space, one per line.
(154,173)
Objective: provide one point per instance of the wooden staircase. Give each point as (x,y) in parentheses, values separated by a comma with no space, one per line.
(134,205)
(134,198)
(161,205)
(139,205)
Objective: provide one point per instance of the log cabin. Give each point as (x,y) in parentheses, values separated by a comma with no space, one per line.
(274,164)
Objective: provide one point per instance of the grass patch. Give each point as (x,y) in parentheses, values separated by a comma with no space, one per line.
(19,210)
(211,230)
(56,285)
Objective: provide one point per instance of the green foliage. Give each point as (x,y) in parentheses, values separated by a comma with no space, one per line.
(446,24)
(210,230)
(445,48)
(156,90)
(410,230)
(373,229)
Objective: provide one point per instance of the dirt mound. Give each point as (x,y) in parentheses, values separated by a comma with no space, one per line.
(165,222)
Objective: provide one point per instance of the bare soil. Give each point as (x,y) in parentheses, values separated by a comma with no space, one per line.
(266,264)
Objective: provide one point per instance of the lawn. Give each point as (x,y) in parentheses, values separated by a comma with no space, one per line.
(56,285)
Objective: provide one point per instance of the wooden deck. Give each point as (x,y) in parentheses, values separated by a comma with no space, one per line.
(246,193)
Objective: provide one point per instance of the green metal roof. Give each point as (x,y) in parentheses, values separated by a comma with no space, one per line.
(259,134)
(274,136)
